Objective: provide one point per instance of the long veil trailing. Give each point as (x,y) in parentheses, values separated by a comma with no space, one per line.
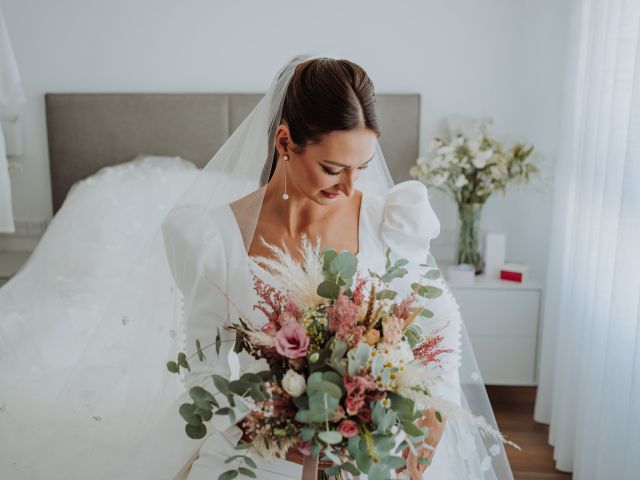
(89,396)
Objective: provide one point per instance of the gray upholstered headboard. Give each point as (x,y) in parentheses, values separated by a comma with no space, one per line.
(89,131)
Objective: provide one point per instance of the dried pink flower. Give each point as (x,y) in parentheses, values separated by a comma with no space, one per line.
(392,330)
(429,350)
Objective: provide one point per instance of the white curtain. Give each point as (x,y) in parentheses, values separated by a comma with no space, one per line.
(589,382)
(11,95)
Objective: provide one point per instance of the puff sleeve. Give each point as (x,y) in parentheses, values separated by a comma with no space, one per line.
(408,226)
(196,254)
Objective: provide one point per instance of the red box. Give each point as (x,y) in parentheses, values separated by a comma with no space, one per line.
(514,272)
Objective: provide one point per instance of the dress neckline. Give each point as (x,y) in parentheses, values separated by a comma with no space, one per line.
(361,219)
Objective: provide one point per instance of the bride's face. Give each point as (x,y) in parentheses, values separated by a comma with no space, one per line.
(326,170)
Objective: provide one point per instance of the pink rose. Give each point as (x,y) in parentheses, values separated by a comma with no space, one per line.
(292,341)
(365,414)
(354,403)
(348,428)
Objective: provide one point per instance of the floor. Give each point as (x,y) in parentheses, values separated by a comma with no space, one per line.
(513,408)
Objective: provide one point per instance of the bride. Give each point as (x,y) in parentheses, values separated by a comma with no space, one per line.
(305,162)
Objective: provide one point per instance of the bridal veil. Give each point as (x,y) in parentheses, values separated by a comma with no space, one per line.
(91,398)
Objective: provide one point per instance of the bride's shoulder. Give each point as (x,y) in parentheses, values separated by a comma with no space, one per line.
(407,221)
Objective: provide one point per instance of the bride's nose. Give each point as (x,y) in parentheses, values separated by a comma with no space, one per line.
(346,185)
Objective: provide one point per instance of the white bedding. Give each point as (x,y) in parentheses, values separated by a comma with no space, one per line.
(66,284)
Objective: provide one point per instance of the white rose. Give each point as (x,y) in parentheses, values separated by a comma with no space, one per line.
(294,383)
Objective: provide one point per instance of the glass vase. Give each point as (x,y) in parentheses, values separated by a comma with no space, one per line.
(469,237)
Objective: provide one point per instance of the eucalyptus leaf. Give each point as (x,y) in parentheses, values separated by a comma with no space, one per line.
(327,387)
(344,265)
(426,313)
(303,416)
(386,294)
(206,415)
(234,457)
(378,472)
(186,411)
(238,344)
(351,468)
(395,462)
(339,349)
(249,461)
(393,273)
(329,455)
(330,436)
(196,431)
(239,387)
(334,470)
(201,356)
(218,341)
(228,475)
(307,433)
(433,274)
(202,398)
(333,377)
(328,289)
(221,383)
(247,472)
(426,291)
(363,461)
(182,361)
(411,429)
(327,257)
(173,367)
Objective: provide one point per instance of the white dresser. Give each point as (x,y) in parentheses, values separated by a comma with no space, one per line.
(502,319)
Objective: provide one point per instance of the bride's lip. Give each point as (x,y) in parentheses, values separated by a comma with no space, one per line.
(329,194)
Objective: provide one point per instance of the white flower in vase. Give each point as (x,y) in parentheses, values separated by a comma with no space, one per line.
(461,181)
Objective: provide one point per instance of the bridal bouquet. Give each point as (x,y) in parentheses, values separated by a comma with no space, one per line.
(346,369)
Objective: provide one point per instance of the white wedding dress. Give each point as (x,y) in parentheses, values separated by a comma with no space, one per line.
(201,253)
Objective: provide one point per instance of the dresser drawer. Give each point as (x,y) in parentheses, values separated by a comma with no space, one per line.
(500,313)
(503,327)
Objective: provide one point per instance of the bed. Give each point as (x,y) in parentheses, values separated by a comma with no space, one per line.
(89,131)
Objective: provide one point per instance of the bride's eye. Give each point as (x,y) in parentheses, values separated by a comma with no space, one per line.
(328,171)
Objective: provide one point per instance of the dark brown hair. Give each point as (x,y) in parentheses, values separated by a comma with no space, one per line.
(325,95)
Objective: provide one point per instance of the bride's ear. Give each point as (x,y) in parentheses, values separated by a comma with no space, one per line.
(283,142)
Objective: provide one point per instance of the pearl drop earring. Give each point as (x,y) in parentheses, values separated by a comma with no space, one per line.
(285,196)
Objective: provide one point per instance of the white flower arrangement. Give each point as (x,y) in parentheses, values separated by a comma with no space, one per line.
(470,167)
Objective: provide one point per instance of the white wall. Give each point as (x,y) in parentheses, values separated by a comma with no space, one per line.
(501,58)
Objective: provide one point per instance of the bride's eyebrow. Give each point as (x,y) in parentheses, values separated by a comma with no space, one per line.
(347,166)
